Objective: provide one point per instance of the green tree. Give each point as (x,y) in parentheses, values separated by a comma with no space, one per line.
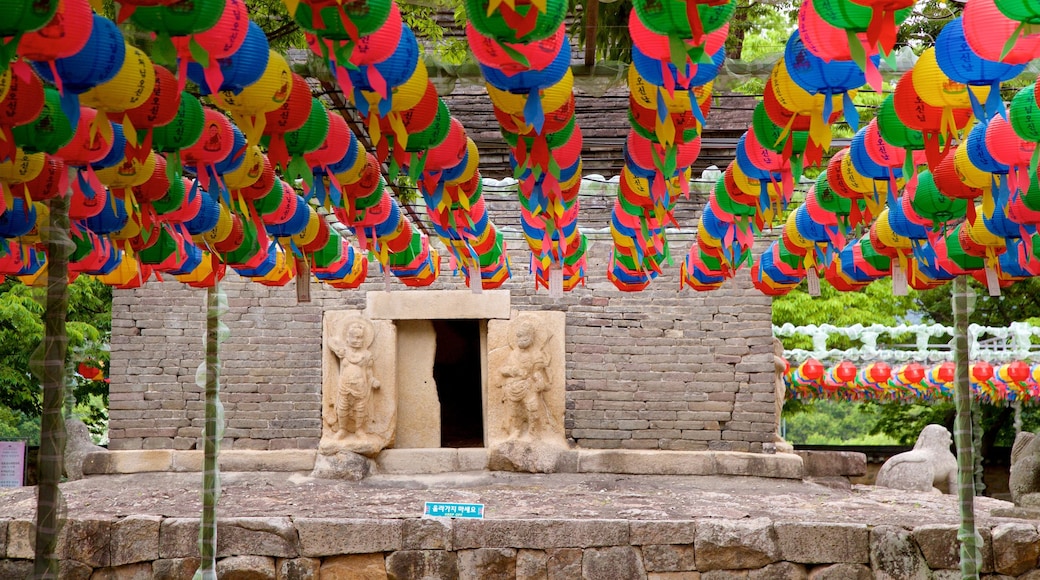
(21,330)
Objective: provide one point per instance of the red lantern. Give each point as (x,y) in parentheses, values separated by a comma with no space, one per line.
(1018,371)
(811,369)
(157,185)
(982,371)
(65,35)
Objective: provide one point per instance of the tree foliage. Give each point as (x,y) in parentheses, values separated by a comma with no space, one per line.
(89,325)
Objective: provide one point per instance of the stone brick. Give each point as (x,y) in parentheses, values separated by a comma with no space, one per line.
(563,563)
(427,534)
(611,563)
(735,544)
(841,572)
(138,571)
(539,534)
(135,539)
(246,568)
(353,567)
(433,564)
(330,537)
(11,568)
(487,564)
(74,570)
(3,538)
(298,568)
(673,576)
(895,556)
(531,564)
(662,532)
(779,571)
(823,543)
(174,568)
(668,558)
(1016,548)
(87,541)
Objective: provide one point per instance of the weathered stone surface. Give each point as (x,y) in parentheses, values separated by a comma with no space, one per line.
(129,461)
(648,462)
(257,537)
(78,445)
(21,539)
(135,539)
(74,570)
(612,563)
(939,545)
(369,422)
(894,556)
(138,571)
(526,384)
(841,572)
(525,456)
(1016,548)
(297,568)
(531,564)
(246,568)
(946,575)
(539,534)
(434,304)
(344,465)
(1031,575)
(823,542)
(487,564)
(833,463)
(724,575)
(3,538)
(662,532)
(929,465)
(735,544)
(427,534)
(418,407)
(780,465)
(247,460)
(475,459)
(779,571)
(563,563)
(353,567)
(178,537)
(417,461)
(673,576)
(86,541)
(331,537)
(433,564)
(15,568)
(668,558)
(174,568)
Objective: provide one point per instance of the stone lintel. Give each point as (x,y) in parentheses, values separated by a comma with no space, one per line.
(437,305)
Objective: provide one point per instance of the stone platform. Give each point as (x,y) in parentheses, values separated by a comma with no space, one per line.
(600,526)
(433,461)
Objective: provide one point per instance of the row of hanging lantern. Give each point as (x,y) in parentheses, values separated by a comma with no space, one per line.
(133,211)
(911,382)
(384,77)
(677,49)
(530,85)
(968,213)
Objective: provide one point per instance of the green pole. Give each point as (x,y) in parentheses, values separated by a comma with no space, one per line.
(209,378)
(970,556)
(48,365)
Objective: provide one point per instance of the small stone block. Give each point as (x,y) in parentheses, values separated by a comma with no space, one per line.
(331,537)
(353,567)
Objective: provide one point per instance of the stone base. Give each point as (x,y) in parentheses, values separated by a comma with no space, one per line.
(363,444)
(525,456)
(342,465)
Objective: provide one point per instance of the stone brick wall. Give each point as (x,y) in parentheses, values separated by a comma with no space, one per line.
(660,369)
(145,546)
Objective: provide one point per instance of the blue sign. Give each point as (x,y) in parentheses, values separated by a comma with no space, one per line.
(454,510)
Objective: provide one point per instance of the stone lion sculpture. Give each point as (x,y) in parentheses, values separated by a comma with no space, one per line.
(930,465)
(1024,481)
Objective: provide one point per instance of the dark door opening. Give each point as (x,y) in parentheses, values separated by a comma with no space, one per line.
(456,369)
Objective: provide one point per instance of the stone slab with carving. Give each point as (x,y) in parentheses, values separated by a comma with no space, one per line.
(359,384)
(525,392)
(929,465)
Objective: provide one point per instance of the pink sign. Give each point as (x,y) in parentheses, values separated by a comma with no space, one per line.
(12,463)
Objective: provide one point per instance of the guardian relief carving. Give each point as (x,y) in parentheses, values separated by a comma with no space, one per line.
(358,395)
